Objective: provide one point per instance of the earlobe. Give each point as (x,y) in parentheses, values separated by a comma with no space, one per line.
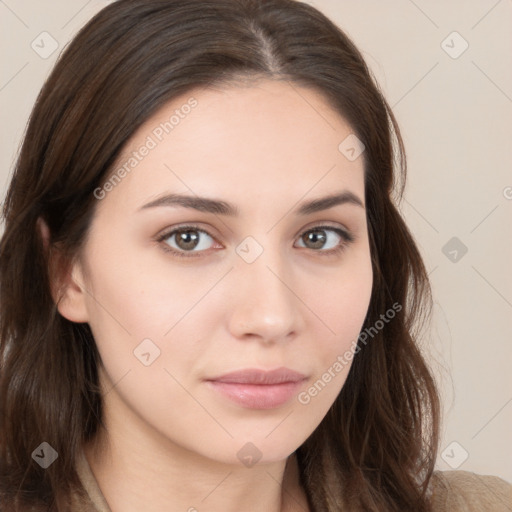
(66,280)
(71,302)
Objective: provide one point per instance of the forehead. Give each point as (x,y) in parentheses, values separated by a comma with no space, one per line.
(268,138)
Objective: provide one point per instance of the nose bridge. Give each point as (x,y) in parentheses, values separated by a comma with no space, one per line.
(264,304)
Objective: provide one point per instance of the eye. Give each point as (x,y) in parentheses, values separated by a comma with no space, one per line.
(191,241)
(318,237)
(185,240)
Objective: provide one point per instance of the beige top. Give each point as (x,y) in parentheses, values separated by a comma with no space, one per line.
(464,492)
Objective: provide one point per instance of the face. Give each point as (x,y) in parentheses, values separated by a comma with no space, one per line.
(179,293)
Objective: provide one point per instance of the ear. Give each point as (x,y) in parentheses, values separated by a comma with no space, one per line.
(66,280)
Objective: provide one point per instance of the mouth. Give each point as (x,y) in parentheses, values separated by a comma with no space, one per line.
(258,389)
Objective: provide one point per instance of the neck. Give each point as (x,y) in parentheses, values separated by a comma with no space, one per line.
(154,474)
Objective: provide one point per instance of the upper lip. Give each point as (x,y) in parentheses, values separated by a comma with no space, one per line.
(255,376)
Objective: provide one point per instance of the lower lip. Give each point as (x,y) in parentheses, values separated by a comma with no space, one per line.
(257,396)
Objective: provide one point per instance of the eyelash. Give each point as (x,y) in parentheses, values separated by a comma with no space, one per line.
(348,238)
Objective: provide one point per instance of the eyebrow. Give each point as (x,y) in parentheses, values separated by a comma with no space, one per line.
(219,207)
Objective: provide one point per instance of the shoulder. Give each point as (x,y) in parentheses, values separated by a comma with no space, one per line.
(463,491)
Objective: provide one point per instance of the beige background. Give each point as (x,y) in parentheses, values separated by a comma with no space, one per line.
(454,109)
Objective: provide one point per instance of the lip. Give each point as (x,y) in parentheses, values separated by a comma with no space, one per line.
(258,389)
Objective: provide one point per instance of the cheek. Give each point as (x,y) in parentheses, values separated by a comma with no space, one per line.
(343,302)
(147,312)
(131,296)
(342,305)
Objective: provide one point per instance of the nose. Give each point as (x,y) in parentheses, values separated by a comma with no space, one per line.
(263,303)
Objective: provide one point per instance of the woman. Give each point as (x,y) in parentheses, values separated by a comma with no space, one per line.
(208,295)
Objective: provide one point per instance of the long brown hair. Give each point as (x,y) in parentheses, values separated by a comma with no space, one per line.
(376,448)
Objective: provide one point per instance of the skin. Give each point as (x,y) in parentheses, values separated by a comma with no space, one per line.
(171,441)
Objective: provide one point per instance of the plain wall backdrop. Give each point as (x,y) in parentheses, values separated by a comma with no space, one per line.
(444,68)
